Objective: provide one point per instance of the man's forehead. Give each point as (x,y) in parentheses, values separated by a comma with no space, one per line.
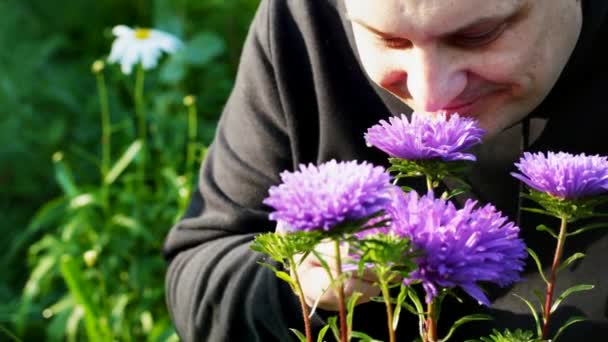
(429,16)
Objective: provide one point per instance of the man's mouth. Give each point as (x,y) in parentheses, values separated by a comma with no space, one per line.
(471,105)
(463,108)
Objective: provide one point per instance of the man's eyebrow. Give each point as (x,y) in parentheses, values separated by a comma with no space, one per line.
(367,26)
(520,9)
(516,12)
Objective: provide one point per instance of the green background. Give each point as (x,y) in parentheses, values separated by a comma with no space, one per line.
(52,211)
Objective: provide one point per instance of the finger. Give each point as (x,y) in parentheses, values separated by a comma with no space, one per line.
(366,288)
(317,288)
(316,285)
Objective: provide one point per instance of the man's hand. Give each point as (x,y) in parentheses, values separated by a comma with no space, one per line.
(316,283)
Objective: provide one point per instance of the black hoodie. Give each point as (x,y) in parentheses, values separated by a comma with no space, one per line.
(301,97)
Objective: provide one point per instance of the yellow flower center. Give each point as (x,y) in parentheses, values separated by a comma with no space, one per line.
(142,33)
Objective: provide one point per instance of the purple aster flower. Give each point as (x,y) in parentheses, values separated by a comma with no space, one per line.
(564,175)
(460,247)
(318,198)
(426,136)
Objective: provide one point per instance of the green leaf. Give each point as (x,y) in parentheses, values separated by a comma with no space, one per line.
(270,266)
(543,228)
(286,277)
(73,322)
(333,324)
(41,271)
(352,301)
(540,297)
(570,260)
(539,266)
(8,333)
(539,329)
(82,200)
(300,336)
(174,70)
(82,295)
(123,162)
(570,321)
(204,47)
(400,301)
(537,211)
(363,337)
(322,333)
(517,335)
(413,296)
(455,192)
(64,177)
(50,212)
(569,291)
(464,320)
(324,264)
(588,228)
(119,306)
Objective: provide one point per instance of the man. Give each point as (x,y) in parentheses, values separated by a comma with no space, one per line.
(315,75)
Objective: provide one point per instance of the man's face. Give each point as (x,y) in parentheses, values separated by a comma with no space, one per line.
(494,60)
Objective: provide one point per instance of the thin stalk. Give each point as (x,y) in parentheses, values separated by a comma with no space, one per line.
(340,293)
(141,122)
(389,309)
(192,130)
(431,323)
(429,184)
(106,134)
(561,240)
(305,311)
(8,333)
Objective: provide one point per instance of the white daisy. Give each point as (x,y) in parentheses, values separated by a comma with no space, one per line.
(144,45)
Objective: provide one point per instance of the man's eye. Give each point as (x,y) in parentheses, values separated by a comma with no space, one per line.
(479,38)
(395,43)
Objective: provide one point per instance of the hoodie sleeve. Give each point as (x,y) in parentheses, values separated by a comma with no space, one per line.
(215,289)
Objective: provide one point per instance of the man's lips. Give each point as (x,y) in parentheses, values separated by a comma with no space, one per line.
(469,105)
(462,108)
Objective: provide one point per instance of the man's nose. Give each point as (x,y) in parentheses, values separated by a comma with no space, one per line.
(434,80)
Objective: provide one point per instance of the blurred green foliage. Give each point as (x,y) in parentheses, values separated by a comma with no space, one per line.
(81,256)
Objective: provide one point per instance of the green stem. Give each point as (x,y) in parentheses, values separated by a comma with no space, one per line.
(561,240)
(389,309)
(340,293)
(191,153)
(429,183)
(305,311)
(141,122)
(106,134)
(9,334)
(431,323)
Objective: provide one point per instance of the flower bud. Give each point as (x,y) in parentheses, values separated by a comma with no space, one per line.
(189,100)
(57,156)
(90,257)
(97,66)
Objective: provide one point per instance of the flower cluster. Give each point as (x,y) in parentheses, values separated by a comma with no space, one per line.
(564,175)
(318,198)
(460,247)
(439,136)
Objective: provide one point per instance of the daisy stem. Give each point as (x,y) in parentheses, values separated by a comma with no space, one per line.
(340,293)
(389,309)
(431,323)
(561,240)
(305,312)
(191,153)
(141,121)
(106,134)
